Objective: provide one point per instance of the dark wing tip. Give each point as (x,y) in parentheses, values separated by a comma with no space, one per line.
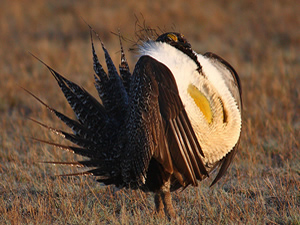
(225,164)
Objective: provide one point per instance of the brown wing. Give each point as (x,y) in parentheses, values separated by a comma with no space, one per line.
(182,147)
(232,81)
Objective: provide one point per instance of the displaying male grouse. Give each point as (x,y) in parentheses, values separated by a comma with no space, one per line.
(163,127)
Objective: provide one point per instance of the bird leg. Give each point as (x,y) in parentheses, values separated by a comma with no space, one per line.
(159,204)
(166,199)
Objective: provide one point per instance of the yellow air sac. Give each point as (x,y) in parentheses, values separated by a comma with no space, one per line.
(201,102)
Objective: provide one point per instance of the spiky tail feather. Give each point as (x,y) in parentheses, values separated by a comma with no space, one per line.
(96,123)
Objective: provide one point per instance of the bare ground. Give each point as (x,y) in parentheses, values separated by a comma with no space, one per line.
(261,39)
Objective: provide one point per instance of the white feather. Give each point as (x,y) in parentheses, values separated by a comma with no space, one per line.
(216,138)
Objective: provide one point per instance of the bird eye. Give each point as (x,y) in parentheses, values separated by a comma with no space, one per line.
(173,37)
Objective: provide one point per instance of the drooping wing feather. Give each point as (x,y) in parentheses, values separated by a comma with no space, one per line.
(225,162)
(183,144)
(154,93)
(144,128)
(233,83)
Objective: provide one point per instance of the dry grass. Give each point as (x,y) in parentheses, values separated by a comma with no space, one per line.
(261,39)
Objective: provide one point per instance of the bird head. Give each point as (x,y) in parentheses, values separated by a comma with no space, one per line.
(178,41)
(175,39)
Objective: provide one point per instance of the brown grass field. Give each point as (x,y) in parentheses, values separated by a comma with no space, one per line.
(261,39)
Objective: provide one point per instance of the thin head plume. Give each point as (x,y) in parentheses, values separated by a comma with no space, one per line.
(121,37)
(174,28)
(143,33)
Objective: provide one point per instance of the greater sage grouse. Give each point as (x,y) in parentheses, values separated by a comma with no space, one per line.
(163,127)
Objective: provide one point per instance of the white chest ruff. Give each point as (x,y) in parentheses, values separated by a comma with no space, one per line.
(218,137)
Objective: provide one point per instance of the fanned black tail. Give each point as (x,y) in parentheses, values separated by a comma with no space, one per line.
(97,123)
